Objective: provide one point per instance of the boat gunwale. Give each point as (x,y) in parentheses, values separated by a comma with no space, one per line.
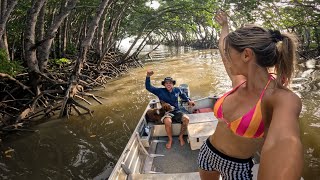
(133,137)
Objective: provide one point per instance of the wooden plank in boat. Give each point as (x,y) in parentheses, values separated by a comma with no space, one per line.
(199,132)
(176,176)
(159,130)
(201,117)
(184,176)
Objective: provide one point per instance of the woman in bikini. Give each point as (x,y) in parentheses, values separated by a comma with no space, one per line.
(259,113)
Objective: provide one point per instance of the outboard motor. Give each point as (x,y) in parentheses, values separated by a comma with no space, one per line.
(185,89)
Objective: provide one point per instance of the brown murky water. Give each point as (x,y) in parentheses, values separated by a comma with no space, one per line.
(88,147)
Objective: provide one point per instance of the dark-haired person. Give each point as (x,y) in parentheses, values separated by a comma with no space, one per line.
(170,94)
(259,112)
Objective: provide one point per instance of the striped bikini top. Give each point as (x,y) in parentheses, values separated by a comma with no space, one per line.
(249,125)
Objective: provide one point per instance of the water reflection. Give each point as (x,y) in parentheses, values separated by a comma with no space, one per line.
(88,147)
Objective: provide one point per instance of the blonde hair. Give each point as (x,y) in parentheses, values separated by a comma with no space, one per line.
(271,48)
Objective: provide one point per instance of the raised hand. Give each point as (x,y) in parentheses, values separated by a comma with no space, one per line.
(149,72)
(222,18)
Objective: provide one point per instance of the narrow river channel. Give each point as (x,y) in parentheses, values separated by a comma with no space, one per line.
(88,147)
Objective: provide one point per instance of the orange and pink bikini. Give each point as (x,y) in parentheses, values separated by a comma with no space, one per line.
(249,125)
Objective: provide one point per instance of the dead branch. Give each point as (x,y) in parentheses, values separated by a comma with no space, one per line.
(76,109)
(92,96)
(83,99)
(24,87)
(81,106)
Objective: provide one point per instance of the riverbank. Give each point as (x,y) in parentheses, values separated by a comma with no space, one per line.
(24,105)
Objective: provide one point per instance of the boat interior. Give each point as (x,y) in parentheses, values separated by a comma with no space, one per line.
(146,155)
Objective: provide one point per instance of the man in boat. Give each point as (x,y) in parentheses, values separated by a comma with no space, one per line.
(170,94)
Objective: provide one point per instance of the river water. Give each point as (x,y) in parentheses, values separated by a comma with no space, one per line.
(88,147)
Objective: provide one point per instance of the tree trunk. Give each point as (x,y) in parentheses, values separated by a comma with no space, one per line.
(124,57)
(22,53)
(6,9)
(12,49)
(58,43)
(30,50)
(44,49)
(317,39)
(101,34)
(78,40)
(65,37)
(83,53)
(141,46)
(40,23)
(88,38)
(114,22)
(5,44)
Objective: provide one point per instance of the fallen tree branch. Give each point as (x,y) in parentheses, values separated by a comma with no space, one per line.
(24,87)
(83,99)
(76,109)
(92,96)
(81,106)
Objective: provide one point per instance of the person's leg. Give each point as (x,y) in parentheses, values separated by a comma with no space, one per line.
(209,175)
(207,161)
(184,125)
(168,126)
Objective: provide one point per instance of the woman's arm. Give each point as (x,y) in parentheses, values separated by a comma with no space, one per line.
(222,19)
(282,152)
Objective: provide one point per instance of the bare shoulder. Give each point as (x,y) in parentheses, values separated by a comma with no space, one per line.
(286,94)
(286,99)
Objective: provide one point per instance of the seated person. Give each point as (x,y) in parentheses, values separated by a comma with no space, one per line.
(169,94)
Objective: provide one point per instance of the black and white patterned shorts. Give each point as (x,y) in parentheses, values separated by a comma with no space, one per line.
(210,159)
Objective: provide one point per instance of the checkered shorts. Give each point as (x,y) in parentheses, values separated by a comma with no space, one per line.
(210,159)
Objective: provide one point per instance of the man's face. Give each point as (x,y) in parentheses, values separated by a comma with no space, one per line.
(168,85)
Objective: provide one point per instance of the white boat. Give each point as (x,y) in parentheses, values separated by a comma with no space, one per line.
(146,157)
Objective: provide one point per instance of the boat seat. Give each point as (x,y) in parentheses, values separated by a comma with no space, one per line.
(201,117)
(159,129)
(173,176)
(199,132)
(198,118)
(201,126)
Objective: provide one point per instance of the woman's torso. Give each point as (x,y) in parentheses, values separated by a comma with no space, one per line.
(235,105)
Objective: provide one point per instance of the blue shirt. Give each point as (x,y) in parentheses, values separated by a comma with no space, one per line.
(166,96)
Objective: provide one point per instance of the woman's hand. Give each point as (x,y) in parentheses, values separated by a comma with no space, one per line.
(222,18)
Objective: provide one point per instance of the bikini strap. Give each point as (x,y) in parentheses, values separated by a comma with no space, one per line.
(225,95)
(234,89)
(265,88)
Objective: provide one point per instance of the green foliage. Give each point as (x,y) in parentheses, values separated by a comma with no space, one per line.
(174,20)
(60,62)
(9,67)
